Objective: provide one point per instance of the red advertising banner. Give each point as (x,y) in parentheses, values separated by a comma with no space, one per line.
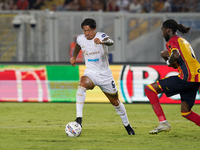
(133,79)
(38,83)
(23,84)
(49,83)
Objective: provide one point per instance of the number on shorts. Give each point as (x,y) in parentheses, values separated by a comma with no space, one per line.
(113,84)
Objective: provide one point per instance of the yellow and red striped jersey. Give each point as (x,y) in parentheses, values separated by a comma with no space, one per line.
(188,65)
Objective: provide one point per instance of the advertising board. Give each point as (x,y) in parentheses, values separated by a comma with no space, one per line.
(58,83)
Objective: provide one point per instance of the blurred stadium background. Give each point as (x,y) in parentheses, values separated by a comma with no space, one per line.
(43,32)
(36,42)
(136,32)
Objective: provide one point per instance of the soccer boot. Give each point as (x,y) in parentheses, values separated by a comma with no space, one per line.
(79,120)
(129,129)
(163,126)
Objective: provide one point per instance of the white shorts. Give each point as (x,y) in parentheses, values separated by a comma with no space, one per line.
(103,79)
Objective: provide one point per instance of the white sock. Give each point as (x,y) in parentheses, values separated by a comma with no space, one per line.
(80,99)
(122,113)
(163,121)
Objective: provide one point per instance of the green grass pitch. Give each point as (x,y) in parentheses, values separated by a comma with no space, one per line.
(41,126)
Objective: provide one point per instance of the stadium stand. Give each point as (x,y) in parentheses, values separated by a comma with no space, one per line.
(140,27)
(7,38)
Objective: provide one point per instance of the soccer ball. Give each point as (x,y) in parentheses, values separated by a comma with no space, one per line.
(73,129)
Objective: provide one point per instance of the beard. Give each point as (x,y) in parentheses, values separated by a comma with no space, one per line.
(167,38)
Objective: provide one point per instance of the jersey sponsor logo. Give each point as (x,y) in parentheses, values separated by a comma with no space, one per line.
(86,53)
(94,53)
(93,60)
(103,35)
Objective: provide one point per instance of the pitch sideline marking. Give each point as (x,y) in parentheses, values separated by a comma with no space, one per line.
(85,124)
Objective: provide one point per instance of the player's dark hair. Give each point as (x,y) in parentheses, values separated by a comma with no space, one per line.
(172,24)
(89,22)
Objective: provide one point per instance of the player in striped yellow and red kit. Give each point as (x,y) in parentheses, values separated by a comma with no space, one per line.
(179,55)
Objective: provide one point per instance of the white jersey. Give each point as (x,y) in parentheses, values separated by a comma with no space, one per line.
(96,55)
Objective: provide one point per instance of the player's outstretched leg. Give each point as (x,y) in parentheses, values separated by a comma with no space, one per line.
(192,116)
(122,113)
(80,99)
(151,93)
(163,126)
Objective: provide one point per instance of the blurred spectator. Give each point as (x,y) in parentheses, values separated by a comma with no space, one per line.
(174,7)
(111,5)
(85,5)
(22,4)
(9,5)
(97,5)
(1,5)
(158,5)
(135,6)
(123,5)
(72,5)
(192,5)
(31,3)
(147,6)
(53,7)
(167,6)
(198,6)
(36,4)
(183,6)
(66,2)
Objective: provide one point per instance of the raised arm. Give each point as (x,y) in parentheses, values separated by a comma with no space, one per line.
(107,41)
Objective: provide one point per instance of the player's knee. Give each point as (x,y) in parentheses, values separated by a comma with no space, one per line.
(149,88)
(82,84)
(81,90)
(115,103)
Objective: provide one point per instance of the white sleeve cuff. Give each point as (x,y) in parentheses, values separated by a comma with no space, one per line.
(167,62)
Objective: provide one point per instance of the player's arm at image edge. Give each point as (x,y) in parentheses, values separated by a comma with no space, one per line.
(108,41)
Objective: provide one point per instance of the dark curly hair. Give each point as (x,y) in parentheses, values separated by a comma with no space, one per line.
(172,24)
(89,22)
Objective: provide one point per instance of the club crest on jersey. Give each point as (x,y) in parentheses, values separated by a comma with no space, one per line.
(103,35)
(85,52)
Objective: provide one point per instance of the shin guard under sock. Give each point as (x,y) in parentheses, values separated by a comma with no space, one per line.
(80,99)
(120,109)
(154,100)
(192,116)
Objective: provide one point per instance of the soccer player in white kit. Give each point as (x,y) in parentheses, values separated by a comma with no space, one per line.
(97,73)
